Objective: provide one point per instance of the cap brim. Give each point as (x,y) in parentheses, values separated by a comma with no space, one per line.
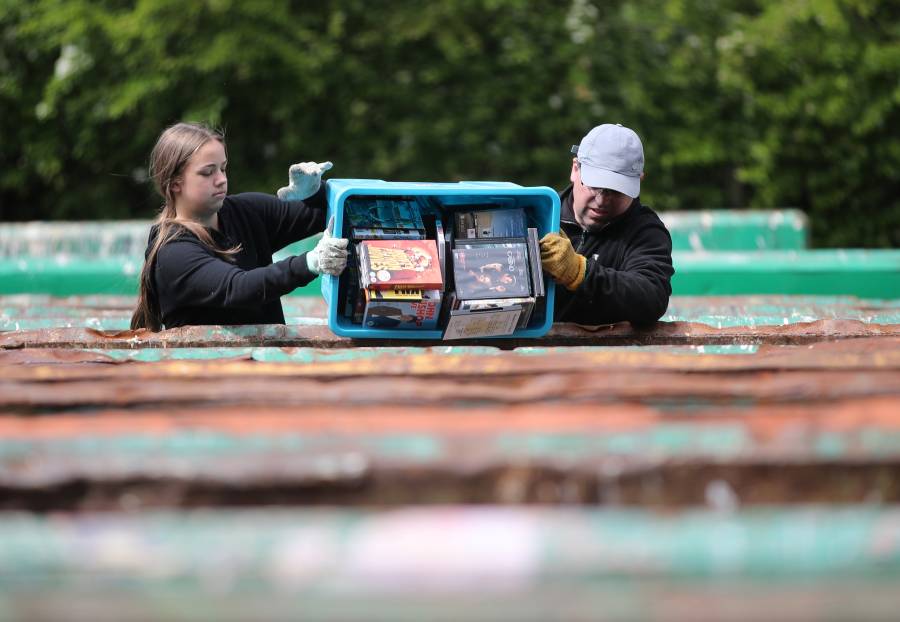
(602,178)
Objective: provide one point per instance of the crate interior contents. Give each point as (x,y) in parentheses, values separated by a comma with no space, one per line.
(465,269)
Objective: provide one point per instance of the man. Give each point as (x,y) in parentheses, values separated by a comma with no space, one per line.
(613,255)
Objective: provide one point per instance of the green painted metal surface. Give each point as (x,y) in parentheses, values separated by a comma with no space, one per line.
(77,275)
(532,545)
(66,276)
(489,563)
(737,230)
(90,239)
(865,273)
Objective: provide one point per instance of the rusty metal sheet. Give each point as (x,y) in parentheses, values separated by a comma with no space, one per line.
(311,355)
(473,424)
(816,450)
(208,385)
(712,310)
(673,333)
(780,356)
(855,355)
(112,313)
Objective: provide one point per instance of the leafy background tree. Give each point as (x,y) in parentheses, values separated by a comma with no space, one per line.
(740,103)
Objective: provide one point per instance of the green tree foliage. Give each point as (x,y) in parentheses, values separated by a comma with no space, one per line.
(740,103)
(820,85)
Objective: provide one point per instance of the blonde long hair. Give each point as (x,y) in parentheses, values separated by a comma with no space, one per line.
(171,153)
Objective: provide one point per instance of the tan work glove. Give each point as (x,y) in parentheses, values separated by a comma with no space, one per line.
(560,260)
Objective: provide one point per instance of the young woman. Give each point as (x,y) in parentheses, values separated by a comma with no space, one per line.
(209,256)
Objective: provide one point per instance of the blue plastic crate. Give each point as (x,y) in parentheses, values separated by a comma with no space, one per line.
(541,206)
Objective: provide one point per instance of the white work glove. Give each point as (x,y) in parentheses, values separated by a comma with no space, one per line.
(330,254)
(303,180)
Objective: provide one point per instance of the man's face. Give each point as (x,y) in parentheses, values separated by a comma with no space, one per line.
(595,207)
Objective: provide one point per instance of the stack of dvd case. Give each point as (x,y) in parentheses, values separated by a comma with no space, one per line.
(469,270)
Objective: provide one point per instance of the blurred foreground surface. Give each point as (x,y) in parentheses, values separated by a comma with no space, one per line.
(740,461)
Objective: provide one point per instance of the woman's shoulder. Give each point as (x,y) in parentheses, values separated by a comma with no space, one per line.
(173,234)
(180,241)
(249,200)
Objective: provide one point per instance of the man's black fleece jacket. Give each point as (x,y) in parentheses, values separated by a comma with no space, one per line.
(196,286)
(629,268)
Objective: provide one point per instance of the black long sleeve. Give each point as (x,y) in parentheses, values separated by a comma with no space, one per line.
(637,289)
(197,286)
(629,269)
(193,276)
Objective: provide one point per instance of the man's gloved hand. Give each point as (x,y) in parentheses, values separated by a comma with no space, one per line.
(330,254)
(560,260)
(304,180)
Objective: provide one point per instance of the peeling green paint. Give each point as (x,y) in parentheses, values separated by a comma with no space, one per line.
(668,440)
(411,446)
(660,440)
(592,545)
(318,355)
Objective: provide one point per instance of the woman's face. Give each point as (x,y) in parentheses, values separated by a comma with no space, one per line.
(201,189)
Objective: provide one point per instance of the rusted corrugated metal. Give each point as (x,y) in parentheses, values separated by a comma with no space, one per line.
(669,333)
(422,425)
(241,470)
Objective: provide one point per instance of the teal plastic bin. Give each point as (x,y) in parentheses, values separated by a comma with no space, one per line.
(541,205)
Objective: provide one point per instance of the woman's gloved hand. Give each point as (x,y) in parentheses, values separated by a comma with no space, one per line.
(559,260)
(304,180)
(330,254)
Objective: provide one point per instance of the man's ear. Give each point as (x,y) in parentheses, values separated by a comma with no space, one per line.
(573,176)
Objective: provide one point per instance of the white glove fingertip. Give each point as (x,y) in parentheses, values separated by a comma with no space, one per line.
(325,166)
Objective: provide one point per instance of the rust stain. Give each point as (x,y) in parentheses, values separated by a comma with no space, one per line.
(854,354)
(362,420)
(192,384)
(663,333)
(32,356)
(765,422)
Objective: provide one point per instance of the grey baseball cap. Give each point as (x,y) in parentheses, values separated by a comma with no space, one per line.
(611,156)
